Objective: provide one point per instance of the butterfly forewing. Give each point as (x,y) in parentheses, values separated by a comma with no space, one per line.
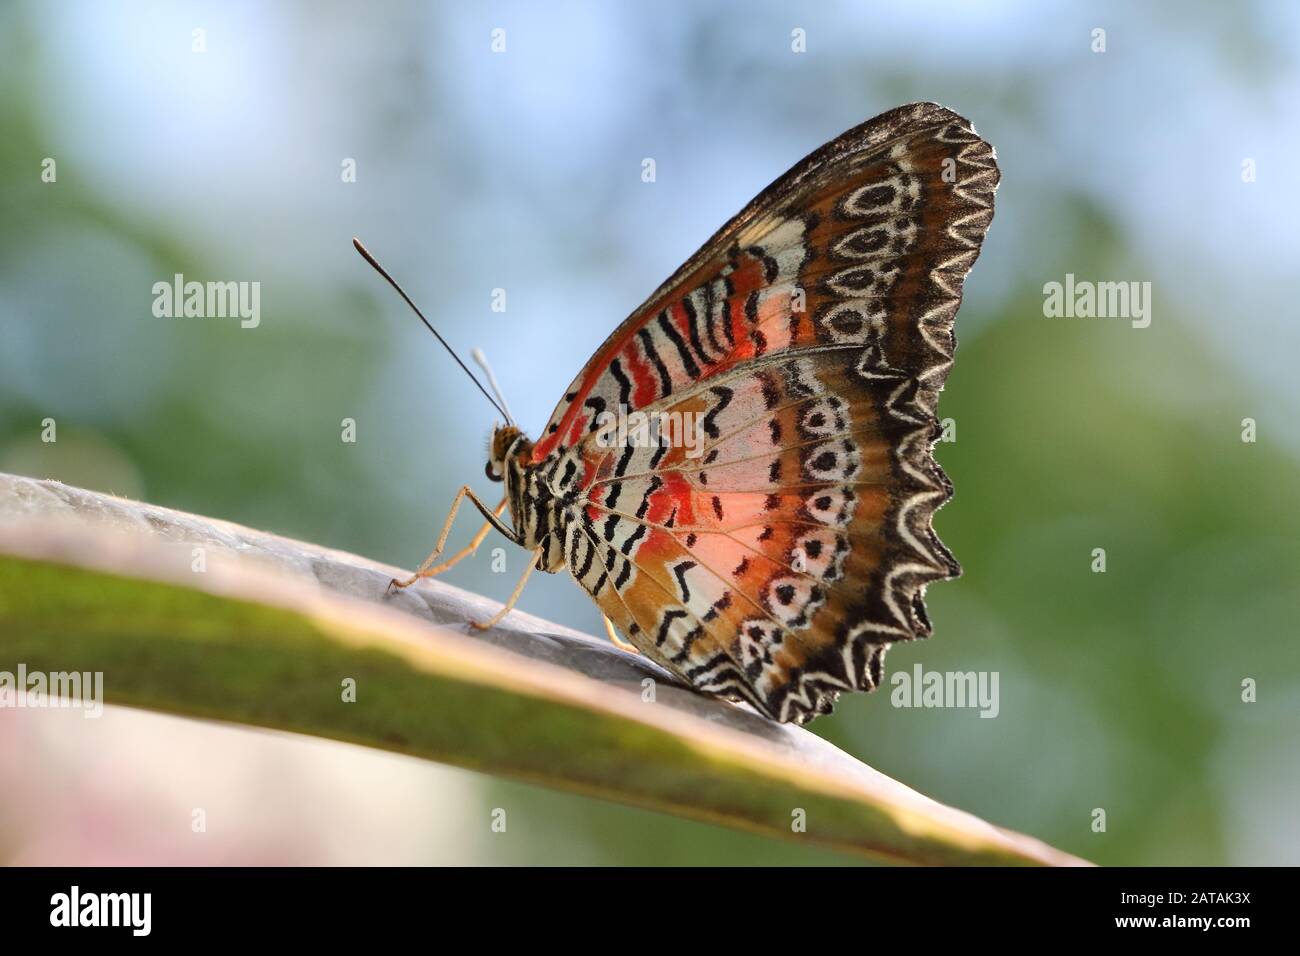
(774,559)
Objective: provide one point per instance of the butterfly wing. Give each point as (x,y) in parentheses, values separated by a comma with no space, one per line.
(776,557)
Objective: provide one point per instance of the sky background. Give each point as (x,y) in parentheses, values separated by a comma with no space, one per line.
(521,170)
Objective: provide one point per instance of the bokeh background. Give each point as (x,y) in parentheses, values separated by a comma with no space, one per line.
(521,171)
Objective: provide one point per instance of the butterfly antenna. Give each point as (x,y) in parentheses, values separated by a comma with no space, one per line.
(374,263)
(481,361)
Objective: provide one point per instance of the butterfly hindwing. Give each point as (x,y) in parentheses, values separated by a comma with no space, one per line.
(777,555)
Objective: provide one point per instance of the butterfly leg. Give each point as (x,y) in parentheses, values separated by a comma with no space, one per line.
(617,641)
(514,596)
(494,521)
(424,571)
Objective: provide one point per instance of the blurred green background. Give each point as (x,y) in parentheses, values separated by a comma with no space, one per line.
(521,170)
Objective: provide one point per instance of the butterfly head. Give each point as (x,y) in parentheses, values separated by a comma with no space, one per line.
(506,452)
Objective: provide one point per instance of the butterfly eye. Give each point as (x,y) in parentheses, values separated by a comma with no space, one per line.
(492,475)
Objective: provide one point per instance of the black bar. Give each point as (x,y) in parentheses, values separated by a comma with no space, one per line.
(365,905)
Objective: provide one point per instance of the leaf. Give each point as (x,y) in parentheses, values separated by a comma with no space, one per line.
(268,629)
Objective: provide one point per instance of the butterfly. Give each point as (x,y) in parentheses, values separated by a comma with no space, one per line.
(774,559)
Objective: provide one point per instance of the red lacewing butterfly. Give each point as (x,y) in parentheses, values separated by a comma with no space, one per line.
(774,560)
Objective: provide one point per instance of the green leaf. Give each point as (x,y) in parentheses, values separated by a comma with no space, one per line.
(193,616)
